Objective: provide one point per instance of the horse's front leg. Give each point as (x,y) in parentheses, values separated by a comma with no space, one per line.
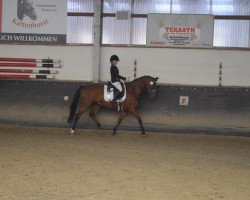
(121,117)
(135,114)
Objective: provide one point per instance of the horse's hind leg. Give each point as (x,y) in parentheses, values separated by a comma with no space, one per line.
(78,115)
(121,117)
(92,115)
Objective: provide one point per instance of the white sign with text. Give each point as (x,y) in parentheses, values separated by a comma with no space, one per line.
(178,30)
(34,21)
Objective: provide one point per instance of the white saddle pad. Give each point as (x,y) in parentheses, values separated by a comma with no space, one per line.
(109,95)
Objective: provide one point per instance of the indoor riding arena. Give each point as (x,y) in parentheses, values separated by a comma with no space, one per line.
(180,129)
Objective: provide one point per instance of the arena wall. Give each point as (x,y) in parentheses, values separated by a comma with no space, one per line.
(213,110)
(188,73)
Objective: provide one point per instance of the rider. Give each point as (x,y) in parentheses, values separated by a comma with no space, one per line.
(115,77)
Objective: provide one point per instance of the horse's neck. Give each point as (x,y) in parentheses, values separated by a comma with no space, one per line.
(138,87)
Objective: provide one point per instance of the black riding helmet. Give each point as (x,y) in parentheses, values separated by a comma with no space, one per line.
(114,57)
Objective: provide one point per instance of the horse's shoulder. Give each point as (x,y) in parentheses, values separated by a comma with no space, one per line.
(130,85)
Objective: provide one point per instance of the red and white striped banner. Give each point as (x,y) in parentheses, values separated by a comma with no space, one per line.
(32,76)
(28,71)
(28,68)
(30,60)
(13,64)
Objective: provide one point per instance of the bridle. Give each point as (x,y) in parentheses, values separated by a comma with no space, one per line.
(152,91)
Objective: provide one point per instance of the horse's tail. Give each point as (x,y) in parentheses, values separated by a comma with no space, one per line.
(74,104)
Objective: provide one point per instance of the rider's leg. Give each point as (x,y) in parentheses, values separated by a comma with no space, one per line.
(116,92)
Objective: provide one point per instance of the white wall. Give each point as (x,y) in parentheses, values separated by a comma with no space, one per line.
(183,66)
(76,61)
(173,66)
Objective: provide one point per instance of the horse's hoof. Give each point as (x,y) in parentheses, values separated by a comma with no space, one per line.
(100,131)
(72,132)
(114,133)
(143,135)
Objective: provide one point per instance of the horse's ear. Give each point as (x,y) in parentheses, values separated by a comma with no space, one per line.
(156,79)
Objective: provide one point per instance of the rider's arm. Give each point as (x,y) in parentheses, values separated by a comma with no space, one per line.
(121,77)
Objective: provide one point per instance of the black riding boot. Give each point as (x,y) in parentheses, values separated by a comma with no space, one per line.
(116,92)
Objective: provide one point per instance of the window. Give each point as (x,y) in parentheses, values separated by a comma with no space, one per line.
(191,7)
(80,21)
(231,25)
(231,33)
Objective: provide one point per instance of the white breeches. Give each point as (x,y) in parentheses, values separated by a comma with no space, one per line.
(117,85)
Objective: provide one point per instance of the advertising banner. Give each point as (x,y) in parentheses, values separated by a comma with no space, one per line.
(178,30)
(33,21)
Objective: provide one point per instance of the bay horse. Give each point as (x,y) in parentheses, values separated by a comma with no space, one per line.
(93,95)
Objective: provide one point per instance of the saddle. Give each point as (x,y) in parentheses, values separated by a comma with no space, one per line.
(109,93)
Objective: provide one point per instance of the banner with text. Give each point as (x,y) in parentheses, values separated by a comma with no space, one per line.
(33,21)
(178,30)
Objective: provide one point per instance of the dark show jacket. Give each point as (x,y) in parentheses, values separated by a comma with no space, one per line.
(114,71)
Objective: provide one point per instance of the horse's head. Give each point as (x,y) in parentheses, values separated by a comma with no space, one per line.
(151,86)
(26,8)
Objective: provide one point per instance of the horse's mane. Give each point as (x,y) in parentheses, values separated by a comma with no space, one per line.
(140,79)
